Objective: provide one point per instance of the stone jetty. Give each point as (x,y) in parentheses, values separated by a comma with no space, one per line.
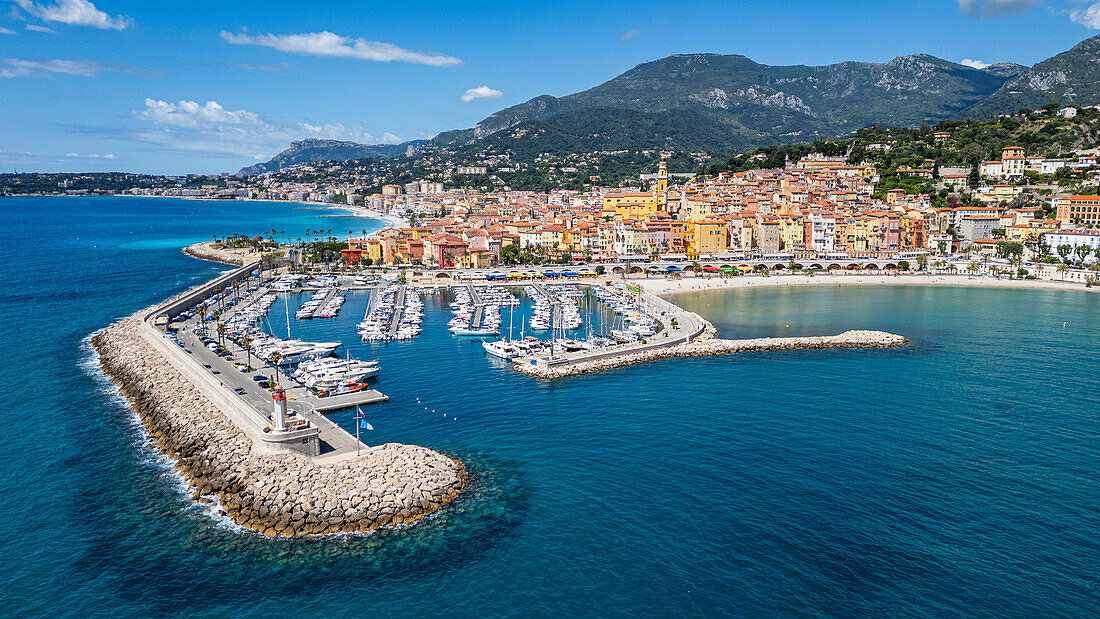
(207,251)
(706,344)
(280,495)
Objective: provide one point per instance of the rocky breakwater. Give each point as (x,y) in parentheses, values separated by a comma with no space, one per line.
(207,251)
(707,344)
(284,495)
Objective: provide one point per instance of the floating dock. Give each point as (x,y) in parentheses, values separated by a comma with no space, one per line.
(398,310)
(556,317)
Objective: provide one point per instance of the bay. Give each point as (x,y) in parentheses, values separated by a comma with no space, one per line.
(952,476)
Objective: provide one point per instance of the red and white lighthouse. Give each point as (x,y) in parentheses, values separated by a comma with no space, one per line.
(280,408)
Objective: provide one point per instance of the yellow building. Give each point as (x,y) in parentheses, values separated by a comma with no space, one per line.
(792,234)
(1079,209)
(631,204)
(705,237)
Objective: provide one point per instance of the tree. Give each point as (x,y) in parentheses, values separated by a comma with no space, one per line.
(274,359)
(600,269)
(1015,260)
(1083,251)
(971,269)
(1063,268)
(942,245)
(1064,250)
(246,343)
(904,264)
(922,262)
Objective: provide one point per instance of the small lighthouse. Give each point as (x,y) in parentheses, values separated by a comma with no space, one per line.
(280,408)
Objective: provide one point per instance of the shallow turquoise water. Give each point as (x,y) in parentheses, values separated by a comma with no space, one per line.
(954,476)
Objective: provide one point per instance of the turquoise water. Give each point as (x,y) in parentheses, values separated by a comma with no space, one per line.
(954,476)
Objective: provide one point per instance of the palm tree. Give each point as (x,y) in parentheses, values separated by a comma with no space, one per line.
(1063,268)
(274,358)
(246,342)
(971,269)
(922,262)
(221,333)
(1016,260)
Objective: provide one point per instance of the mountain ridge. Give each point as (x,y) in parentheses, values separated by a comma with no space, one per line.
(724,102)
(1070,77)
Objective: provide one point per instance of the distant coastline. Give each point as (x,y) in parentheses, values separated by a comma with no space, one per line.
(392,221)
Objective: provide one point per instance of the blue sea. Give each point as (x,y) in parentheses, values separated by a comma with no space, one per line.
(954,476)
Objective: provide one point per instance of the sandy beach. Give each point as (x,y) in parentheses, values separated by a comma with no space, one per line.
(359,211)
(664,285)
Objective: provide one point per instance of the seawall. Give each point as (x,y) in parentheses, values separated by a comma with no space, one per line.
(278,495)
(706,344)
(207,251)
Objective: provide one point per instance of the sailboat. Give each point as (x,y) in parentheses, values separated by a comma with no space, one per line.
(503,348)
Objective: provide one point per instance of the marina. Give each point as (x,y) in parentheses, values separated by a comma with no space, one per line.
(281,391)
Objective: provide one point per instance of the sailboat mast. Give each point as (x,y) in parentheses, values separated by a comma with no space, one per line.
(287,306)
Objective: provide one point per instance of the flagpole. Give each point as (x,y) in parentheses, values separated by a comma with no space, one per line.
(357,443)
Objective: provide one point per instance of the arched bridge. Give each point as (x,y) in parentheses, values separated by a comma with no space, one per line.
(668,266)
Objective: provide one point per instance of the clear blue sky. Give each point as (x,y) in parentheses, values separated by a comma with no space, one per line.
(175,87)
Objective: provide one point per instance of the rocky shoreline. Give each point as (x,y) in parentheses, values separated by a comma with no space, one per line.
(286,495)
(706,344)
(206,251)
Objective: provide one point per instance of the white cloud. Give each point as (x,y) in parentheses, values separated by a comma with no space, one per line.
(15,67)
(75,13)
(270,68)
(37,28)
(1089,18)
(333,45)
(630,34)
(974,64)
(6,31)
(111,156)
(191,114)
(481,92)
(995,8)
(209,127)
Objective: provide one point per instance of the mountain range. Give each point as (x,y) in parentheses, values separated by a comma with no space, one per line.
(316,149)
(709,102)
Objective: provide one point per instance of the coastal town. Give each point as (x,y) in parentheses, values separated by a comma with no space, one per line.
(1019,209)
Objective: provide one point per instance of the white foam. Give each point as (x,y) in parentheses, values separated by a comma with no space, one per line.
(148,454)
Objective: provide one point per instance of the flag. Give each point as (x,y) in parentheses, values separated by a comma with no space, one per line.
(362,419)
